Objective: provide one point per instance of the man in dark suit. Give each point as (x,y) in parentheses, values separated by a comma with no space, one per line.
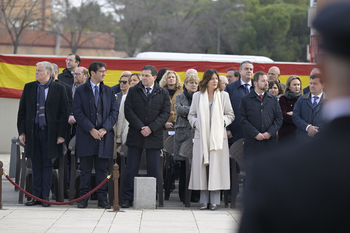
(307,113)
(42,124)
(261,117)
(305,187)
(237,90)
(72,62)
(95,110)
(147,109)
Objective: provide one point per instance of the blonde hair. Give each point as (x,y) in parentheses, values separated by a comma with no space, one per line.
(163,81)
(191,77)
(290,79)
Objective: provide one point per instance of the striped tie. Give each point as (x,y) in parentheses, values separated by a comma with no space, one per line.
(314,104)
(246,88)
(148,92)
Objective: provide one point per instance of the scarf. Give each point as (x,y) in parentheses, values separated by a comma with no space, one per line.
(292,95)
(40,118)
(188,96)
(212,125)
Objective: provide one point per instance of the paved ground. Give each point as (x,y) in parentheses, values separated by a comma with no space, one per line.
(173,217)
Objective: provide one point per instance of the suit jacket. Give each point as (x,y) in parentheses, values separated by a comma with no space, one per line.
(304,114)
(236,92)
(303,188)
(259,116)
(84,110)
(152,112)
(56,112)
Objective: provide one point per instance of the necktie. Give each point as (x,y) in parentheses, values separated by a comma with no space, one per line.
(96,94)
(261,97)
(246,88)
(148,92)
(314,104)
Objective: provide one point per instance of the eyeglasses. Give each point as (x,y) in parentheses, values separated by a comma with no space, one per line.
(193,83)
(123,82)
(78,73)
(68,60)
(102,71)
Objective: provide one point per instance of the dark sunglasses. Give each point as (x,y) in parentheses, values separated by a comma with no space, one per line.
(124,82)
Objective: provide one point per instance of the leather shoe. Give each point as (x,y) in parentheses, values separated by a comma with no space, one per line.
(104,204)
(32,202)
(204,206)
(126,204)
(45,204)
(82,204)
(213,206)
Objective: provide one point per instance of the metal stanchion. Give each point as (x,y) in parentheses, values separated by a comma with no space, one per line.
(116,206)
(1,172)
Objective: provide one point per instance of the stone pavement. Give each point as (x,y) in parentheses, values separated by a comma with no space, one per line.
(173,217)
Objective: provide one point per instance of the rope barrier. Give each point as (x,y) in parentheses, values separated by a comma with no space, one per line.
(57,203)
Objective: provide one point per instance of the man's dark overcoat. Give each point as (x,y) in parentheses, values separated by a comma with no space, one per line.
(84,110)
(56,111)
(153,112)
(259,116)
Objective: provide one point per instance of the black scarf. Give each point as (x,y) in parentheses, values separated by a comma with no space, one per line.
(188,96)
(292,95)
(40,118)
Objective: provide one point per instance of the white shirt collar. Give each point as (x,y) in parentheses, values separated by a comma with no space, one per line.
(93,84)
(336,108)
(319,96)
(149,87)
(249,83)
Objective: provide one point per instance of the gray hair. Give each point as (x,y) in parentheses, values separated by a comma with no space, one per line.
(47,66)
(55,67)
(245,62)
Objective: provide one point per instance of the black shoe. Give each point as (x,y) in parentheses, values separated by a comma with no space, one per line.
(32,202)
(104,204)
(126,204)
(53,197)
(194,199)
(45,204)
(83,203)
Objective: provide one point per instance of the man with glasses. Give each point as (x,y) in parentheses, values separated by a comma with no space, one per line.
(95,110)
(72,62)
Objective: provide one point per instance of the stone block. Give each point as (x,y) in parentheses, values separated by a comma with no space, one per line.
(145,189)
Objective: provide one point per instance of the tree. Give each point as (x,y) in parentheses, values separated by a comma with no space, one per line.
(278,31)
(17,15)
(74,24)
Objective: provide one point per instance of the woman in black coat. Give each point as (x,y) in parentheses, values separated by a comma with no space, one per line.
(287,102)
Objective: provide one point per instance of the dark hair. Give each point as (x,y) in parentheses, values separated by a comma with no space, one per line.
(151,68)
(244,62)
(206,78)
(316,76)
(279,86)
(77,58)
(257,76)
(160,74)
(95,66)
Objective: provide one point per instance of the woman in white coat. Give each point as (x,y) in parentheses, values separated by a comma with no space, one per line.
(210,113)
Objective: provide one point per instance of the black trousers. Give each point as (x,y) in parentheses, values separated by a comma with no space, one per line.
(101,169)
(132,168)
(41,164)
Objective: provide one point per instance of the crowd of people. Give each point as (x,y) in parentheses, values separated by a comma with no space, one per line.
(290,189)
(214,110)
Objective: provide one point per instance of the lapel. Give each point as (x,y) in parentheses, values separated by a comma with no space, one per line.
(51,92)
(140,89)
(308,100)
(33,94)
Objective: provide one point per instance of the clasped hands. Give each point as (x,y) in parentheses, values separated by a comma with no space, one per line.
(263,136)
(98,134)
